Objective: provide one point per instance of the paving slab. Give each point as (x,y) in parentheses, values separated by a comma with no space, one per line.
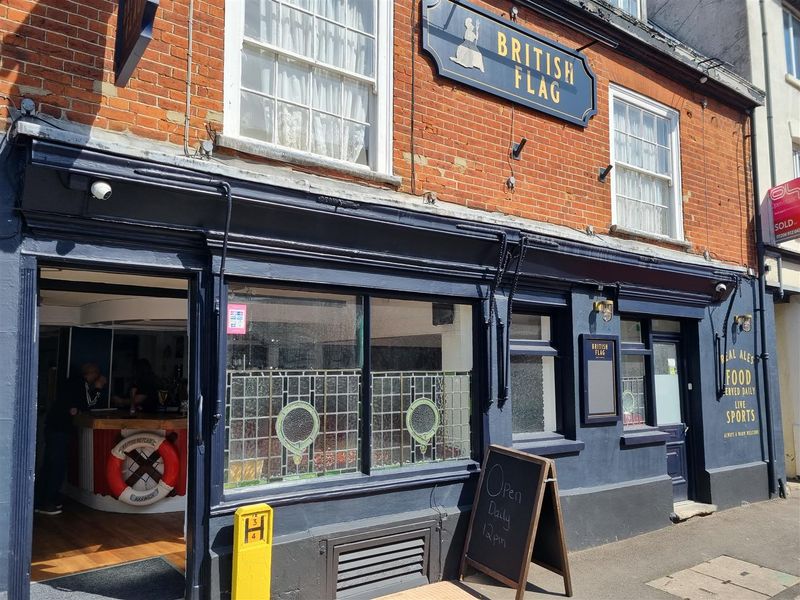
(747,575)
(691,585)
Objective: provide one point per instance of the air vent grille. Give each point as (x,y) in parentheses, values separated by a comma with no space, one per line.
(371,567)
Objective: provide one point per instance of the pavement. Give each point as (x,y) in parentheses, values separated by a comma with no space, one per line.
(750,552)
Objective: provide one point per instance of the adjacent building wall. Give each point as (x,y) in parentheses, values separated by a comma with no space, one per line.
(732,30)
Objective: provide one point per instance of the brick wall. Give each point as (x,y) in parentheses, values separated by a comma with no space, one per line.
(60,53)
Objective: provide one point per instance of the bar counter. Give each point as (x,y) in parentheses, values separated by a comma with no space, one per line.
(97,434)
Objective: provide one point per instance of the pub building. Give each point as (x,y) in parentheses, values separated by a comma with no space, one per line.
(528,224)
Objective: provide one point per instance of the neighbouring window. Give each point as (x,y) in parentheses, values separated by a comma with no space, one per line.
(311,76)
(298,382)
(650,380)
(635,357)
(645,154)
(533,375)
(791,34)
(632,7)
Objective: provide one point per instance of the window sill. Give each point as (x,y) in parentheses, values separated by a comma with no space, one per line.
(793,81)
(654,237)
(548,444)
(643,436)
(284,494)
(304,159)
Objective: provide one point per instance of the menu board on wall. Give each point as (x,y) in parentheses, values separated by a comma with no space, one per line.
(600,378)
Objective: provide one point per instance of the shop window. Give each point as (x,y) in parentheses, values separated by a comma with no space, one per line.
(632,7)
(294,378)
(421,361)
(635,356)
(311,77)
(791,34)
(645,154)
(297,375)
(649,369)
(533,376)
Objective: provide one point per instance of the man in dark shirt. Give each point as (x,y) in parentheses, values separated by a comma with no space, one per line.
(79,395)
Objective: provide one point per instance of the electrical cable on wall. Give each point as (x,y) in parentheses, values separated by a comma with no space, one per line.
(413,94)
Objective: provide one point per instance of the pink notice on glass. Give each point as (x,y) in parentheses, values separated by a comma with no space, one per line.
(237,319)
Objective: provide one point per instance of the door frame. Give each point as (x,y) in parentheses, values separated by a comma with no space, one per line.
(679,340)
(202,355)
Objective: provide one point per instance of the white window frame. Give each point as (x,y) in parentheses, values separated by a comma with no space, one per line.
(791,51)
(796,159)
(640,4)
(616,92)
(380,128)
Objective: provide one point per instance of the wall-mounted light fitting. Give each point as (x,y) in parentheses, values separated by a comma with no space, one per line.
(516,149)
(605,308)
(704,78)
(745,322)
(602,173)
(514,13)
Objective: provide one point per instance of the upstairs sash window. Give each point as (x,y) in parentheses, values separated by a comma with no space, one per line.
(645,153)
(311,76)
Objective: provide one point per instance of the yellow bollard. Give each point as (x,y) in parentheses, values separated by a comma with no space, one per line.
(252,552)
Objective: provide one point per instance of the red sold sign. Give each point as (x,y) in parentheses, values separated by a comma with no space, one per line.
(786,210)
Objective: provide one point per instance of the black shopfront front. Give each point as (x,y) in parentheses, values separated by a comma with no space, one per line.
(349,361)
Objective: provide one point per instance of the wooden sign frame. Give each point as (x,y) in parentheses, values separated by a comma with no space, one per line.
(547,491)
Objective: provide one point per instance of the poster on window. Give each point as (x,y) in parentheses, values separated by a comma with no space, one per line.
(237,319)
(785,201)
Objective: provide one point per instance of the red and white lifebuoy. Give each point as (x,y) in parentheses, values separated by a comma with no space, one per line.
(155,443)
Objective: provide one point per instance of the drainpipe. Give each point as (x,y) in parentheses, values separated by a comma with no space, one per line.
(187,115)
(775,487)
(773,179)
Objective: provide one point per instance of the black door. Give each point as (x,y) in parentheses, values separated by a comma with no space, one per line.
(670,412)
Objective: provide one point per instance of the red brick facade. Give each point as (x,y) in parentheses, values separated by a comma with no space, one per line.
(60,54)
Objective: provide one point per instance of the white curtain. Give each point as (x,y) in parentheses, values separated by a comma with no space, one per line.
(310,109)
(642,139)
(297,30)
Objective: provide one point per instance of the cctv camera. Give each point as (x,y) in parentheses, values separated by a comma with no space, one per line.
(101,190)
(721,288)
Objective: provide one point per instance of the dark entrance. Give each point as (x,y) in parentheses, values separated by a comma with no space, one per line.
(670,405)
(136,335)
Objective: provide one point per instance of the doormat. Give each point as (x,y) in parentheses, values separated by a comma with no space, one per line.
(151,579)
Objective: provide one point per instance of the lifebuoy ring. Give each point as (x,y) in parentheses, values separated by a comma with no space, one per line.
(155,443)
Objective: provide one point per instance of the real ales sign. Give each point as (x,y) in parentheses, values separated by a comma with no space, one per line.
(785,200)
(134,31)
(479,49)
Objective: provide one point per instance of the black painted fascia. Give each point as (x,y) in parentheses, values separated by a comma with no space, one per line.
(559,261)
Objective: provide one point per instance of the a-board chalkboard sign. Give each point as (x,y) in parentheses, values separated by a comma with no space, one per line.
(600,378)
(516,519)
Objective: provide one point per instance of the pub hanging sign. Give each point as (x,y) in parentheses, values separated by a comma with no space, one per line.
(477,48)
(134,31)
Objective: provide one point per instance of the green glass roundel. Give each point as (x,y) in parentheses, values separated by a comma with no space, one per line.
(422,421)
(297,427)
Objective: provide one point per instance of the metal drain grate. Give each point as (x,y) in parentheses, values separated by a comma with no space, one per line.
(373,567)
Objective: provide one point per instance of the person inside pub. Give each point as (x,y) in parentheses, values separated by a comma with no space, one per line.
(80,394)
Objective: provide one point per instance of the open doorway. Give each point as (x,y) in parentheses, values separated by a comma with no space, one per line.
(112,430)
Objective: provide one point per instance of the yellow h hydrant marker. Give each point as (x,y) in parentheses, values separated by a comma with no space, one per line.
(252,552)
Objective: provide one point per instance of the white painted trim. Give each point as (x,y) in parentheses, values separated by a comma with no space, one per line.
(381,132)
(616,92)
(234,35)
